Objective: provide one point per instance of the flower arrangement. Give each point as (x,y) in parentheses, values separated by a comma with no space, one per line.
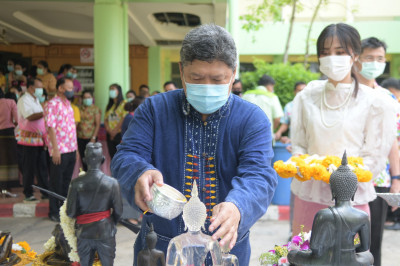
(278,255)
(24,251)
(305,167)
(68,227)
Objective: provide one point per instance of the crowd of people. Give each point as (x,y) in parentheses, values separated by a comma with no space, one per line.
(46,122)
(218,138)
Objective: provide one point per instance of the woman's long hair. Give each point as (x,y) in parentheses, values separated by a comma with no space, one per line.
(349,39)
(120,97)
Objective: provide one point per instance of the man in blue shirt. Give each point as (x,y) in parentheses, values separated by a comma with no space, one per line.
(201,133)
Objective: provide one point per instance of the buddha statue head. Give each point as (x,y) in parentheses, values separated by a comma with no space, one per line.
(151,238)
(343,182)
(195,212)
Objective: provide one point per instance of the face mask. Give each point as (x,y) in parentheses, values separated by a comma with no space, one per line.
(74,75)
(371,70)
(129,99)
(207,98)
(336,67)
(88,101)
(237,92)
(38,92)
(18,72)
(10,68)
(42,99)
(16,96)
(69,94)
(113,94)
(69,74)
(39,71)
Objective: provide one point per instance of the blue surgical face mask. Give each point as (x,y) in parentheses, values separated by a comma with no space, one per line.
(10,68)
(69,74)
(207,98)
(42,98)
(88,101)
(38,92)
(129,99)
(113,94)
(39,71)
(74,75)
(19,72)
(372,70)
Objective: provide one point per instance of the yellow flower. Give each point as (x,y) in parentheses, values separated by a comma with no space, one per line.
(32,254)
(363,175)
(306,171)
(321,173)
(285,170)
(24,245)
(355,161)
(331,160)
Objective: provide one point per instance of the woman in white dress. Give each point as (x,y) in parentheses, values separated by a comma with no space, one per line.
(338,114)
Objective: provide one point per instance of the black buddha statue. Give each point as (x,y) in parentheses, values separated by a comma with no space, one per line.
(150,256)
(7,258)
(334,228)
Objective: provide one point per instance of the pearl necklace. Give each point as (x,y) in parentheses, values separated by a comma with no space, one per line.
(324,102)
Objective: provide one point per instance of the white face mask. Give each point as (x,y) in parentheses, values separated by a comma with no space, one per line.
(336,67)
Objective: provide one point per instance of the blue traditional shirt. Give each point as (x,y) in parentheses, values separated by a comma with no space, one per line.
(229,155)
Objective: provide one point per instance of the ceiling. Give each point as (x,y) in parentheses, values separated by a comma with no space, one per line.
(62,22)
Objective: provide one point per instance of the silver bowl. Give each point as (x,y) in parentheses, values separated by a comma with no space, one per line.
(167,202)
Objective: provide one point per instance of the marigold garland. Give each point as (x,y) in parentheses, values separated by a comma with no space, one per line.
(305,167)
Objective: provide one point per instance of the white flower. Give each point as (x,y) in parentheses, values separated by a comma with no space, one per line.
(16,247)
(307,236)
(50,245)
(68,227)
(332,168)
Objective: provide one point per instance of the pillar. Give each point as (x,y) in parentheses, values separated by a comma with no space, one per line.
(233,27)
(155,82)
(111,48)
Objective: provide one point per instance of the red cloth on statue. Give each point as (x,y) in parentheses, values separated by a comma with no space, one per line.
(92,217)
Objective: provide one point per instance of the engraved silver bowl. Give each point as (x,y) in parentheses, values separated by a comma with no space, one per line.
(392,199)
(167,202)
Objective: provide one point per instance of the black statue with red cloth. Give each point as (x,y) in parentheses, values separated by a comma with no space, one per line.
(94,199)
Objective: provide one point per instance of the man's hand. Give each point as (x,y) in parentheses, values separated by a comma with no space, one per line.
(56,157)
(227,216)
(395,188)
(143,185)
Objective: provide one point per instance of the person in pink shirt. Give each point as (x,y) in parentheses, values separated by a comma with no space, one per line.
(8,145)
(61,130)
(31,138)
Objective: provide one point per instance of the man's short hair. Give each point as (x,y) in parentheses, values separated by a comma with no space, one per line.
(61,81)
(170,82)
(208,43)
(31,81)
(266,80)
(391,83)
(236,81)
(372,43)
(299,83)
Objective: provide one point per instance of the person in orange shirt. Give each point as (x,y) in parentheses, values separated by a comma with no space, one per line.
(47,78)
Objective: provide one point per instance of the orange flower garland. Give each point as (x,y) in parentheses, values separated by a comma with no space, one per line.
(305,167)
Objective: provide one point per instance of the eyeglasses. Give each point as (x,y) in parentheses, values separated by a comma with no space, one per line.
(379,59)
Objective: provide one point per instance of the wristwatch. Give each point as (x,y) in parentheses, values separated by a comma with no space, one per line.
(395,177)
